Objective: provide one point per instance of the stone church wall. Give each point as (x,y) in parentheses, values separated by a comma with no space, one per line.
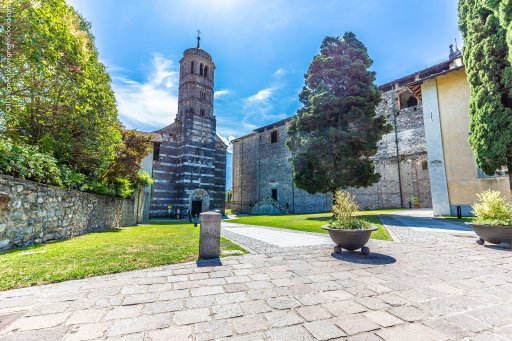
(260,166)
(412,149)
(32,213)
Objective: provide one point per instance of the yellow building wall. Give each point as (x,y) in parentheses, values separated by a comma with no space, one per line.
(461,171)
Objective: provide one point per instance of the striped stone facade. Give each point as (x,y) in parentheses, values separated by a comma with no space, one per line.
(189,159)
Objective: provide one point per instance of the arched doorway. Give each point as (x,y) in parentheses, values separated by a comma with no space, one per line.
(199,201)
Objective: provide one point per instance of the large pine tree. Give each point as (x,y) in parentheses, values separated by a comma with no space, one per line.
(489,74)
(335,133)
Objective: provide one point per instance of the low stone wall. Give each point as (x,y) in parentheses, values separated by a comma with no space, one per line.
(32,213)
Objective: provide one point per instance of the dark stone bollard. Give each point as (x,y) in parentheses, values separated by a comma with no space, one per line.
(209,235)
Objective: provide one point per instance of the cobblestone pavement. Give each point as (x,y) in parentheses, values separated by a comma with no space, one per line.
(263,239)
(443,290)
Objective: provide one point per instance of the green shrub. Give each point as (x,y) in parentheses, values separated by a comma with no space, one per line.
(144,179)
(123,188)
(492,208)
(27,162)
(344,208)
(72,179)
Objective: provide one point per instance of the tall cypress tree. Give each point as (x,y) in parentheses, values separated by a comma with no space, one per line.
(335,133)
(489,74)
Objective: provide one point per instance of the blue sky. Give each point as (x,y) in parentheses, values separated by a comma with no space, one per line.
(261,49)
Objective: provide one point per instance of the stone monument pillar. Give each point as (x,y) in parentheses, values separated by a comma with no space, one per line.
(209,235)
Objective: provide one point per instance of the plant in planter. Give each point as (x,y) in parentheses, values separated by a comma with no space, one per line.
(347,231)
(493,219)
(416,202)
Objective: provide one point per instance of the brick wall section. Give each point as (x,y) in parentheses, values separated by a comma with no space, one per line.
(33,213)
(259,166)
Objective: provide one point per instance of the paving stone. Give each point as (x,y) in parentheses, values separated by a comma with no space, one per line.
(36,335)
(86,316)
(213,330)
(342,308)
(139,324)
(355,324)
(250,324)
(85,332)
(370,336)
(200,301)
(191,316)
(172,333)
(295,333)
(383,318)
(162,307)
(207,291)
(486,336)
(407,313)
(311,299)
(178,278)
(324,330)
(282,318)
(227,311)
(38,322)
(235,287)
(122,312)
(45,308)
(336,295)
(234,297)
(408,332)
(259,284)
(446,328)
(140,298)
(313,313)
(372,303)
(255,307)
(130,337)
(284,302)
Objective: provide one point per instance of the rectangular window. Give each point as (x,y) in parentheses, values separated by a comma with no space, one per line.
(274,194)
(156,151)
(273,137)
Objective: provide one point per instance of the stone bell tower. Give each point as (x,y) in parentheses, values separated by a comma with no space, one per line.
(196,86)
(190,166)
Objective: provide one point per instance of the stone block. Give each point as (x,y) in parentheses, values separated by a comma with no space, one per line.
(209,235)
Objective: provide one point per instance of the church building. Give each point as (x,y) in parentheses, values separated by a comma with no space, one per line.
(189,159)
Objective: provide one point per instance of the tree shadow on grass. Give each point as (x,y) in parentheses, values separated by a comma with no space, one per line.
(320,218)
(359,258)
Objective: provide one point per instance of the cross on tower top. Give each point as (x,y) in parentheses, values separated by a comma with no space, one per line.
(198,38)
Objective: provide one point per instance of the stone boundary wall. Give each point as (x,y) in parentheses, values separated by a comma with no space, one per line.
(32,213)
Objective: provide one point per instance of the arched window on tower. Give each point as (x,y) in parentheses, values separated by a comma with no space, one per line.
(201,69)
(202,112)
(206,71)
(191,67)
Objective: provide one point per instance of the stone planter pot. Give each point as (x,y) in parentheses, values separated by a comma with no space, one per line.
(494,234)
(350,240)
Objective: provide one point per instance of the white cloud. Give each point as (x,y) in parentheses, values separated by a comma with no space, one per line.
(221,93)
(227,141)
(151,103)
(260,96)
(279,72)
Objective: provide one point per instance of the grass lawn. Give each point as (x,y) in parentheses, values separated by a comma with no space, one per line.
(313,222)
(102,253)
